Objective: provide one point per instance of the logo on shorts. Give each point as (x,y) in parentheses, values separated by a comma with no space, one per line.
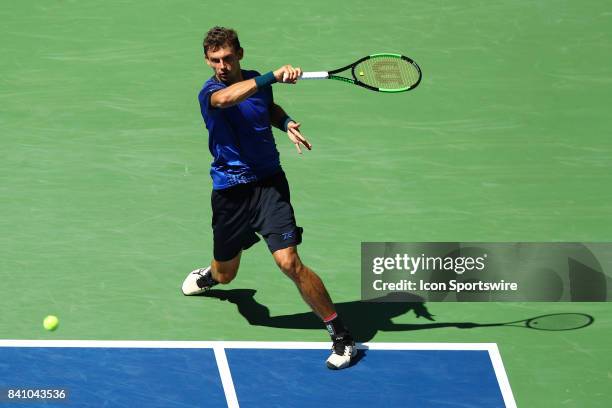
(287,235)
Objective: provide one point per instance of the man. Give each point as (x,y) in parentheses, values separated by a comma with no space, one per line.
(250,192)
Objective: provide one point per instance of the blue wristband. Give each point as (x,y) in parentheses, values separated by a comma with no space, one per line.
(265,80)
(285,122)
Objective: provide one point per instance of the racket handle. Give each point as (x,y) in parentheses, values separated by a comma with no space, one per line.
(314,75)
(310,75)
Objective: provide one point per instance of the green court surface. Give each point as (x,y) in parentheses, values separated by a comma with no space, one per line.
(104,165)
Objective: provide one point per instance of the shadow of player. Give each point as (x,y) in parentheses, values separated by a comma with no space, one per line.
(363,318)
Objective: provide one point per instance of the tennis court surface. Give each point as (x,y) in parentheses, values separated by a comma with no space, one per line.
(253,374)
(105,197)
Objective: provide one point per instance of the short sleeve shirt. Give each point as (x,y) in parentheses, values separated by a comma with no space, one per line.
(239,137)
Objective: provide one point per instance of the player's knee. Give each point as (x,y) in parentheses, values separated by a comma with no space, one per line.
(224,278)
(291,266)
(224,274)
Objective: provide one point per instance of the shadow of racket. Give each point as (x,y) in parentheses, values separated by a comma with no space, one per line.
(549,322)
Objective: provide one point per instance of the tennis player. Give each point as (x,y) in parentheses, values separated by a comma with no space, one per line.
(250,192)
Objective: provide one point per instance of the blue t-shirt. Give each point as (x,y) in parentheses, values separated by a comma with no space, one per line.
(239,137)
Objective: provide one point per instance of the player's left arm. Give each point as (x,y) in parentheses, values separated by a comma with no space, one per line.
(279,119)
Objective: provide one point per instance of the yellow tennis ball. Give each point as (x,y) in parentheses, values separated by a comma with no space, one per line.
(51,322)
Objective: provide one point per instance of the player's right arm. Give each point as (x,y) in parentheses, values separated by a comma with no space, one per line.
(234,94)
(238,92)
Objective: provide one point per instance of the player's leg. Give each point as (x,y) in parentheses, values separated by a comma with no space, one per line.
(225,271)
(275,221)
(315,294)
(231,234)
(202,279)
(309,284)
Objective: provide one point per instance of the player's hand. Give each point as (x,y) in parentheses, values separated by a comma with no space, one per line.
(293,131)
(287,74)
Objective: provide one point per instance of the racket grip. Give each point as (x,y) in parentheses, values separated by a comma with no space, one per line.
(314,75)
(310,75)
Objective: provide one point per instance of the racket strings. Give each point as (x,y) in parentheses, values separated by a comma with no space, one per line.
(387,73)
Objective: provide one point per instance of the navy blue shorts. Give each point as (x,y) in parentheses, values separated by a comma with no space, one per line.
(261,207)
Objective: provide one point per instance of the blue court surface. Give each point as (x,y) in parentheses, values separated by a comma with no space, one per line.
(248,374)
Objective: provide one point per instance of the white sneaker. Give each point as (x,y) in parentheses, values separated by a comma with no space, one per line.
(198,281)
(343,350)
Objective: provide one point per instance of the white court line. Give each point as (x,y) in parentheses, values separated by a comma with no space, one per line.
(502,377)
(242,344)
(226,377)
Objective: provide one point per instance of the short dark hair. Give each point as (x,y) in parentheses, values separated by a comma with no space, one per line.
(217,37)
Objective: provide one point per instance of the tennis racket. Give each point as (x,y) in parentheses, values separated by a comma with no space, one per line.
(377,72)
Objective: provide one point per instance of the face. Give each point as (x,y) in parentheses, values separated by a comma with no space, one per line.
(225,62)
